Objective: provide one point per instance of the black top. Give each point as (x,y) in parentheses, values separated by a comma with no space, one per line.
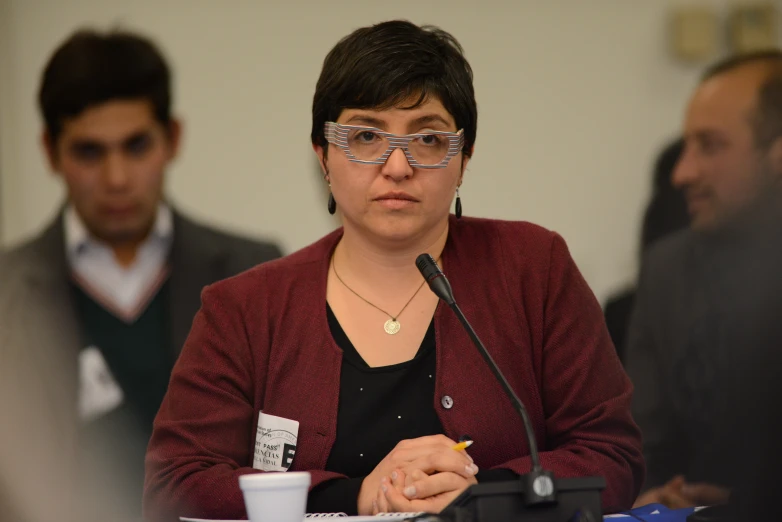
(378,407)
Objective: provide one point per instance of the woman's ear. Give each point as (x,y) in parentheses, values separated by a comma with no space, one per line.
(320,151)
(465,160)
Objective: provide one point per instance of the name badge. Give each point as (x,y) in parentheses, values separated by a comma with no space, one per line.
(99,393)
(275,443)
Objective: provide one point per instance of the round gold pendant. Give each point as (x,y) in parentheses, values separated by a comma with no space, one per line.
(392,326)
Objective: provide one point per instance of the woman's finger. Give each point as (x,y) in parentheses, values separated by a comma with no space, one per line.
(417,474)
(396,501)
(399,479)
(380,503)
(433,504)
(443,461)
(433,485)
(405,455)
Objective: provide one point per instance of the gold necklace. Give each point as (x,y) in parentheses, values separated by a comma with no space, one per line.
(392,325)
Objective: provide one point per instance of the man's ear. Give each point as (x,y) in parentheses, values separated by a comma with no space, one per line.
(775,158)
(320,151)
(174,132)
(50,149)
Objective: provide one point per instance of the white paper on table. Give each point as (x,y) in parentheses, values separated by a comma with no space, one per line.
(310,516)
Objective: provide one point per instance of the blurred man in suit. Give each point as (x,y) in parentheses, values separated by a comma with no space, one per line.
(96,308)
(701,325)
(665,214)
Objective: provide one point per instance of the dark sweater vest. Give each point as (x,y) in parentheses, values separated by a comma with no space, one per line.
(140,357)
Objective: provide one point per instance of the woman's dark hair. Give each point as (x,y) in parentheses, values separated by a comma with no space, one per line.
(91,68)
(394,63)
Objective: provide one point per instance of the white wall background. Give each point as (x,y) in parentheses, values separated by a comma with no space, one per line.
(575,100)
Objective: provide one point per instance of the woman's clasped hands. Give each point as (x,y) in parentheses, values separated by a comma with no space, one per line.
(419,475)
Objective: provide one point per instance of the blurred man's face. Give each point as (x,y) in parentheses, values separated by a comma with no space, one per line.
(112,158)
(722,170)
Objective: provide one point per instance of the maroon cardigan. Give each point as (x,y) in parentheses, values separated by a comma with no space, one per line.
(261,341)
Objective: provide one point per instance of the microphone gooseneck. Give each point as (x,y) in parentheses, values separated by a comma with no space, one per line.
(442,289)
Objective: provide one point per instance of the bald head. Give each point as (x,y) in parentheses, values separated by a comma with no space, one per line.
(733,136)
(766,68)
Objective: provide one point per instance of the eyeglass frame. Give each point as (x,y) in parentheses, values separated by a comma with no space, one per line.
(337,134)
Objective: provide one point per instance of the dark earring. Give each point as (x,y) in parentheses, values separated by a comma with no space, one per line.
(332,204)
(458,211)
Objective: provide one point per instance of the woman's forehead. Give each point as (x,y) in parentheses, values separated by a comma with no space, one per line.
(430,112)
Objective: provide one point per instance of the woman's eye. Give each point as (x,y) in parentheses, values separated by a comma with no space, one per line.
(431,139)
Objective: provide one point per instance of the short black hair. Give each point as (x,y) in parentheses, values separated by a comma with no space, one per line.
(90,68)
(767,117)
(384,65)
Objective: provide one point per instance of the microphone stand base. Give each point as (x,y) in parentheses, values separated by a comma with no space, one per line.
(525,500)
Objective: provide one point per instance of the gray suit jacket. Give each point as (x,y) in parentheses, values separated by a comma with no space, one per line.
(657,336)
(40,339)
(706,315)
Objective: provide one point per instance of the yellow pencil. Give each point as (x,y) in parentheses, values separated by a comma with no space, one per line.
(462,445)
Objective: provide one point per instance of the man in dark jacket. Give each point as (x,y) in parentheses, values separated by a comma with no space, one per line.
(699,317)
(94,311)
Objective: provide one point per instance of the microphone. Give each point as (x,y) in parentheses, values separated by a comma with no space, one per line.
(442,288)
(437,281)
(561,499)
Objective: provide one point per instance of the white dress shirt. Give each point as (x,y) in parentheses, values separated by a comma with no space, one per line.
(125,291)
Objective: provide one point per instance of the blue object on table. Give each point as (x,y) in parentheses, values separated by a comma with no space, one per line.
(654,513)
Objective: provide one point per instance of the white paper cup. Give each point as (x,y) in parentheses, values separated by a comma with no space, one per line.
(275,496)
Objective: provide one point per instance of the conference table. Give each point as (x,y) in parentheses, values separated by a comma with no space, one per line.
(650,513)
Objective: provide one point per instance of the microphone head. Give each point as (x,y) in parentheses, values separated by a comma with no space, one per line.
(435,278)
(428,267)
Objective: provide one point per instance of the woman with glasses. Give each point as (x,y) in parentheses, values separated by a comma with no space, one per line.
(340,361)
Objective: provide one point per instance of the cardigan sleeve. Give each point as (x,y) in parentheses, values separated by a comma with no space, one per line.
(585,391)
(202,436)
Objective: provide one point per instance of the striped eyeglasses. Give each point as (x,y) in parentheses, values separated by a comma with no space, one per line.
(368,145)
